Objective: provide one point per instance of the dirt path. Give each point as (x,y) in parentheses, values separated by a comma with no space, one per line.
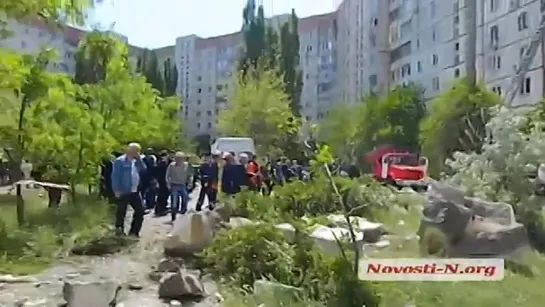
(130,268)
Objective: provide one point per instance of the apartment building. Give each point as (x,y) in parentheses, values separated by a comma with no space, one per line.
(34,36)
(206,69)
(427,43)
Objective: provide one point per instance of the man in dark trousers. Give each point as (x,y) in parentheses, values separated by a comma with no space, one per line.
(126,172)
(162,192)
(230,183)
(149,181)
(208,176)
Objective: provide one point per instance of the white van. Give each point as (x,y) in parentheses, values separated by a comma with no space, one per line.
(237,145)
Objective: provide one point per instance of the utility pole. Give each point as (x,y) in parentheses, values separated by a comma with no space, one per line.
(471,46)
(383,41)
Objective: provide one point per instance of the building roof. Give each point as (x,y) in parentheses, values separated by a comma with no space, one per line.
(310,23)
(226,40)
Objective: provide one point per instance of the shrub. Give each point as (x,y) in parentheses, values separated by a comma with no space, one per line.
(316,198)
(499,171)
(48,232)
(255,206)
(245,254)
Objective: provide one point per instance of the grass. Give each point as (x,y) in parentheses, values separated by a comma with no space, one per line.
(47,233)
(515,290)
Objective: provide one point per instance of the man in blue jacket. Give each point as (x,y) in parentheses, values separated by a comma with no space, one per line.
(126,173)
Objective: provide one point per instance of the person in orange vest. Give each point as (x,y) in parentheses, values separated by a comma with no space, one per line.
(252,171)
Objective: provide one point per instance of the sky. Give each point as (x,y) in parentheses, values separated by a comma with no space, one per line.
(157,23)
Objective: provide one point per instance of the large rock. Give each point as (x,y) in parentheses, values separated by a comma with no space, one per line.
(326,238)
(236,222)
(191,233)
(288,231)
(371,231)
(283,295)
(473,227)
(181,285)
(91,293)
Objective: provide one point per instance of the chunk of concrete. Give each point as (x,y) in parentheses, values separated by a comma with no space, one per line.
(191,233)
(288,231)
(91,293)
(326,238)
(180,285)
(371,231)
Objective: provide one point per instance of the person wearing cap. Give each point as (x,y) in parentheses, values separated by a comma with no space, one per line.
(177,176)
(229,184)
(208,175)
(126,171)
(149,182)
(162,192)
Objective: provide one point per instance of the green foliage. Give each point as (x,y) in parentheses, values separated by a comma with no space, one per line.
(354,130)
(47,233)
(277,51)
(260,109)
(455,122)
(245,254)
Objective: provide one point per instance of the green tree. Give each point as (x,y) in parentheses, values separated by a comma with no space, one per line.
(289,62)
(30,81)
(354,130)
(68,139)
(340,130)
(260,109)
(393,119)
(254,30)
(170,78)
(148,65)
(93,55)
(455,122)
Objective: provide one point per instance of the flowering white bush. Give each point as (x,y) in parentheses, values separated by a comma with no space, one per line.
(499,172)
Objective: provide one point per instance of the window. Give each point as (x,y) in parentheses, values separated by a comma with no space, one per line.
(496,62)
(457,46)
(433,34)
(457,59)
(523,21)
(456,19)
(526,86)
(199,78)
(23,44)
(306,76)
(435,84)
(199,90)
(198,114)
(308,118)
(494,36)
(209,125)
(497,90)
(494,5)
(217,111)
(209,113)
(198,125)
(419,66)
(198,101)
(210,89)
(456,73)
(435,60)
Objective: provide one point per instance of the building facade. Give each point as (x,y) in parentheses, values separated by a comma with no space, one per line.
(206,67)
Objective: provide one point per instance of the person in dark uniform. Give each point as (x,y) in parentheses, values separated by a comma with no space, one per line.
(208,177)
(162,192)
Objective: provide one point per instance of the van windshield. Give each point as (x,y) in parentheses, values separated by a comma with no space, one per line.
(403,159)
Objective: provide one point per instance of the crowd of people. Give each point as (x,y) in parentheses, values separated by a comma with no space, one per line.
(147,181)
